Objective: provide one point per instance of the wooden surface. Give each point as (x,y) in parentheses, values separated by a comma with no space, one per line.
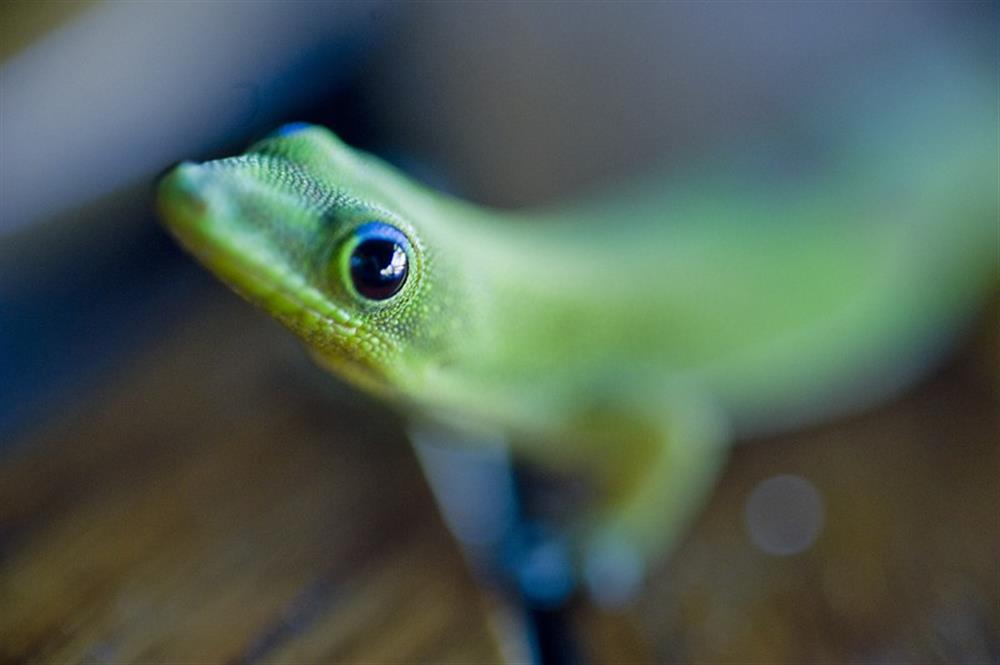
(212,502)
(209,506)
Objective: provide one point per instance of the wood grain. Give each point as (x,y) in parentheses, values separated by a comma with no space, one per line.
(213,502)
(207,505)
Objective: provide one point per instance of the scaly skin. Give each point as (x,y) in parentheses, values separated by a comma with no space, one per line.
(626,336)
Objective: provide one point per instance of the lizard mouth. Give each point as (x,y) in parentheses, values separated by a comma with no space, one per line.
(240,259)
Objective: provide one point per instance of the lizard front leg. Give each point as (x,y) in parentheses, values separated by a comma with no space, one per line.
(655,463)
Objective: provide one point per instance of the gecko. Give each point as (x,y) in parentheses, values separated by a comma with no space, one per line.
(633,336)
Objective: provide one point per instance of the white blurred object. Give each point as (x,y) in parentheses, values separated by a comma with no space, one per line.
(127,88)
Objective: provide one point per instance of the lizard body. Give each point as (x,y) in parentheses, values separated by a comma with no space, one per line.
(630,335)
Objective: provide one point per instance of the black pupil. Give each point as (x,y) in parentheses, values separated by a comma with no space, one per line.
(378,268)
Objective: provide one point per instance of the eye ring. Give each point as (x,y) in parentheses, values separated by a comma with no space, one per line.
(378,261)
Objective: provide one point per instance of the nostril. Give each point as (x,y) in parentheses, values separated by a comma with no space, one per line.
(180,196)
(163,172)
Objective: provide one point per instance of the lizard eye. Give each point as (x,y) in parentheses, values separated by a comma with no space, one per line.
(379,262)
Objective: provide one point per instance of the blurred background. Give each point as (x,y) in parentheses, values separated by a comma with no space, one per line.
(178,483)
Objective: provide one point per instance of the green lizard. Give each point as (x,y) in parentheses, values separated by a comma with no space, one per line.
(630,337)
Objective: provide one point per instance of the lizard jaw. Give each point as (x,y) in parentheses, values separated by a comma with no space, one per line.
(193,216)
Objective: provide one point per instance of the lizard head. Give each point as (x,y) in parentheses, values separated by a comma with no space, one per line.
(332,242)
